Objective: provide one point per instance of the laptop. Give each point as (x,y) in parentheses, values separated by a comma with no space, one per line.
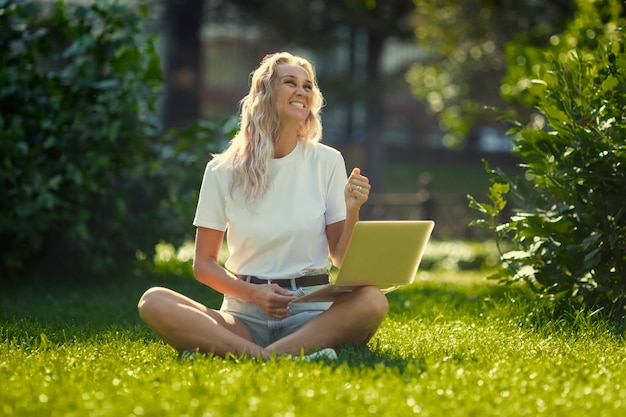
(385,254)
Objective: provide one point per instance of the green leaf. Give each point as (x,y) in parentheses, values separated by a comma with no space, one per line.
(592,259)
(591,241)
(515,255)
(609,83)
(496,194)
(481,223)
(109,84)
(481,207)
(556,115)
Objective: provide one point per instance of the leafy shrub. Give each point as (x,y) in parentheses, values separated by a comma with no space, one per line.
(85,181)
(80,87)
(569,234)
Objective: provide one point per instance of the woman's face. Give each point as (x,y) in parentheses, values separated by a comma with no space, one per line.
(294,90)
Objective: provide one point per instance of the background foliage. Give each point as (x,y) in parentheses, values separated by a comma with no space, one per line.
(86,181)
(465,45)
(569,233)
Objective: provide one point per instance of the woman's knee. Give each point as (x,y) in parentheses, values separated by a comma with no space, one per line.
(151,301)
(373,301)
(367,308)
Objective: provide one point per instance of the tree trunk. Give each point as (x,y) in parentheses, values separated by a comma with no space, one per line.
(183,62)
(375,148)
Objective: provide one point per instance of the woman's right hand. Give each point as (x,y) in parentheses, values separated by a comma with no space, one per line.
(272,299)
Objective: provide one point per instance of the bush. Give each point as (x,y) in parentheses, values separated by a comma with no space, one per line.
(85,181)
(569,234)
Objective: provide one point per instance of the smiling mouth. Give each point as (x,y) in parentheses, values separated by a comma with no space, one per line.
(297,104)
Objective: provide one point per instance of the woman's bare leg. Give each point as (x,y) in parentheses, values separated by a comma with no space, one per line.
(352,319)
(186,324)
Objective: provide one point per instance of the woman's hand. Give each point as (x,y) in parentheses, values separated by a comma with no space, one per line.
(273,299)
(357,190)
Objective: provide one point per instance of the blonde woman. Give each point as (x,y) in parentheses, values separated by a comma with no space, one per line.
(286,206)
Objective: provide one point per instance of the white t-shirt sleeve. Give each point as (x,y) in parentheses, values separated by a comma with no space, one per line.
(335,202)
(211,208)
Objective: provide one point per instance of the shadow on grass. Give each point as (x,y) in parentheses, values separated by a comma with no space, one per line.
(78,311)
(365,357)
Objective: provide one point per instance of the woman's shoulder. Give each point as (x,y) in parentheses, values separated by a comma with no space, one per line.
(323,152)
(219,162)
(218,167)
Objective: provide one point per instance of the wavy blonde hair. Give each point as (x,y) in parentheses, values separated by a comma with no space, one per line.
(252,148)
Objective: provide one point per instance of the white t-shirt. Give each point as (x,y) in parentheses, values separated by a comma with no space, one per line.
(284,235)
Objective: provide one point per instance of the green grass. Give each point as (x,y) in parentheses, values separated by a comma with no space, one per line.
(452,345)
(450,186)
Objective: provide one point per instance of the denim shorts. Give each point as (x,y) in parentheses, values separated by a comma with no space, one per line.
(266,329)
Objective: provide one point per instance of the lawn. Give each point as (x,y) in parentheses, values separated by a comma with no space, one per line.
(448,202)
(453,345)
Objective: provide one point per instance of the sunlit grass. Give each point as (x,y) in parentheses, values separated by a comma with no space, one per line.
(453,344)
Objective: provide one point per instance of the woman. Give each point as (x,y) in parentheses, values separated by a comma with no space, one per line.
(287,205)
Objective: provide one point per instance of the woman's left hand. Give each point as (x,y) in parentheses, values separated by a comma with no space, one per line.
(357,190)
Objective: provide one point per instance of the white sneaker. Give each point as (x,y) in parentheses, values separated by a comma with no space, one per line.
(187,355)
(324,354)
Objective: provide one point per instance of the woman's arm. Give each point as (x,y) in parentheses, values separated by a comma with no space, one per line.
(206,266)
(338,234)
(208,271)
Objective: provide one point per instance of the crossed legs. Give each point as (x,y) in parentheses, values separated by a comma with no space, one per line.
(186,324)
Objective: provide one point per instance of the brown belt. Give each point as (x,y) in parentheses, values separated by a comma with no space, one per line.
(304,281)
